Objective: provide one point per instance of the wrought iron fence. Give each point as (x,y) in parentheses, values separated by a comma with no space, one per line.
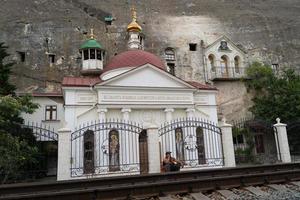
(41,132)
(106,147)
(259,144)
(195,142)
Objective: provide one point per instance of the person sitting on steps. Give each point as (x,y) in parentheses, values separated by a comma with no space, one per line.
(170,164)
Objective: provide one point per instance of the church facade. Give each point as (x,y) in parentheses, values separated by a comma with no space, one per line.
(109,110)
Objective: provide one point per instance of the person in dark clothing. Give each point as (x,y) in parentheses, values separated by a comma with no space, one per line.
(170,164)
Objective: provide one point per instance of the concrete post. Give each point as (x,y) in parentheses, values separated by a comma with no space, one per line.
(126,112)
(283,149)
(64,154)
(227,141)
(153,149)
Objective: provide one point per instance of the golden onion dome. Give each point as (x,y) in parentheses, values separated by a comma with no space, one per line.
(134,26)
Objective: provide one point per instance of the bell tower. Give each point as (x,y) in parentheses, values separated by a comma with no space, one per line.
(134,30)
(92,55)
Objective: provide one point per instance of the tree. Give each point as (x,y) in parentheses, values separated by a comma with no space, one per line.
(274,95)
(5,71)
(16,155)
(18,146)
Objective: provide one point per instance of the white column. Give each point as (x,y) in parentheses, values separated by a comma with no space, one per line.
(190,112)
(281,139)
(227,142)
(64,154)
(102,113)
(126,112)
(153,149)
(169,114)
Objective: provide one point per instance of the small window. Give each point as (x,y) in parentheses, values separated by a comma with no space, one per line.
(51,113)
(169,54)
(237,64)
(193,47)
(171,68)
(275,67)
(238,139)
(51,58)
(92,54)
(85,54)
(22,55)
(99,55)
(211,59)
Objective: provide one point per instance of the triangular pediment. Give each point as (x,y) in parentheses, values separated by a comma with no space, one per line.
(231,44)
(146,76)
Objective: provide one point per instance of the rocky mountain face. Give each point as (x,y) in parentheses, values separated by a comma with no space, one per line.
(44,36)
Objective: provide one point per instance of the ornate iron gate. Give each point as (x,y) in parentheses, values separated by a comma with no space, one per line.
(195,142)
(41,132)
(293,132)
(106,147)
(46,142)
(255,142)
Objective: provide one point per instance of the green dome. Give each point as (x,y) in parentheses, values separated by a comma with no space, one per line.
(91,43)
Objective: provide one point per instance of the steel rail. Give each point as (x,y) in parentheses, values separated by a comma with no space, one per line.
(153,184)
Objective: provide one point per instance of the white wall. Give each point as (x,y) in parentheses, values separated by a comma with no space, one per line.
(39,115)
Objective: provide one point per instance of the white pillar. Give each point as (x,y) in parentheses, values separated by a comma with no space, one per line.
(102,113)
(126,112)
(190,112)
(227,142)
(169,114)
(153,149)
(64,154)
(281,139)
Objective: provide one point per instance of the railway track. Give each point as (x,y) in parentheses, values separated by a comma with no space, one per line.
(138,186)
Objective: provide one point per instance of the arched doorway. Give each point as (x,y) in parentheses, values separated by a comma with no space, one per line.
(224,65)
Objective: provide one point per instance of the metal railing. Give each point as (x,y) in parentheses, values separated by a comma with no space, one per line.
(195,142)
(227,72)
(115,148)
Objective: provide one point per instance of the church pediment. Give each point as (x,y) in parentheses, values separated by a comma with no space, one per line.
(146,76)
(224,44)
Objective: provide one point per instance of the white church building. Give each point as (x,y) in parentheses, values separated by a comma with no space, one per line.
(121,118)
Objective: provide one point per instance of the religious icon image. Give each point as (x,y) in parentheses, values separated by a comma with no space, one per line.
(114,151)
(179,144)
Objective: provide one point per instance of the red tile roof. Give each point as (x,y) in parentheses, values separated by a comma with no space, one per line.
(80,81)
(134,58)
(201,86)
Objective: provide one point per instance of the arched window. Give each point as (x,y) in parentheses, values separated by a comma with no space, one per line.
(170,58)
(169,54)
(114,150)
(179,143)
(224,64)
(237,64)
(212,62)
(88,157)
(200,145)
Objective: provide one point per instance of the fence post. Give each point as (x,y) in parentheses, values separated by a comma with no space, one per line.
(227,141)
(282,145)
(153,149)
(64,154)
